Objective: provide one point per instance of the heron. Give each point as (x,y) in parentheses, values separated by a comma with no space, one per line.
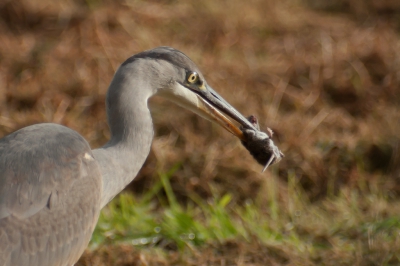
(53,185)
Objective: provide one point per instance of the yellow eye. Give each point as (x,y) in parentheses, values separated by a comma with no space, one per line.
(193,77)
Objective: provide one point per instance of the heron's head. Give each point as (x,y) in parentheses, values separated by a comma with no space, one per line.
(173,75)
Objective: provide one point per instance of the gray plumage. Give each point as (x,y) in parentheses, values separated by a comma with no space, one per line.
(53,186)
(49,194)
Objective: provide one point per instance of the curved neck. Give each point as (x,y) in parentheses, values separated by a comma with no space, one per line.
(131,134)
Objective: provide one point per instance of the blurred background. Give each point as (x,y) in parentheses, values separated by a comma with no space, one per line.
(323,75)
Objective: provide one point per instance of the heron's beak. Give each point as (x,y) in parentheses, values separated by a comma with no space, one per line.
(217,109)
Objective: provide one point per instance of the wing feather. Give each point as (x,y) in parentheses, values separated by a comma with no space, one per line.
(50,189)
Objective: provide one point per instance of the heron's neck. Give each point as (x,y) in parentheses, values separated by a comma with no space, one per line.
(131,135)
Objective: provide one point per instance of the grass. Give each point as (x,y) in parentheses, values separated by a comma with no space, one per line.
(350,228)
(140,222)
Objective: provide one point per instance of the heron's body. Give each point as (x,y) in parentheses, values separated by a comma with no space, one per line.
(49,198)
(53,186)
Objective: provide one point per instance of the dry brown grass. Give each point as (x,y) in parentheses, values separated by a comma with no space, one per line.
(230,253)
(326,83)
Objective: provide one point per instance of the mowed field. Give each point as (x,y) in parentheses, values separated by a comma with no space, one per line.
(324,77)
